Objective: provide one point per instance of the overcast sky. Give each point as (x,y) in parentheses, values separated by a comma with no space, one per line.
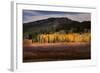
(33,15)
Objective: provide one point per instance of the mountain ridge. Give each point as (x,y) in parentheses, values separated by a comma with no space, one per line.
(55,24)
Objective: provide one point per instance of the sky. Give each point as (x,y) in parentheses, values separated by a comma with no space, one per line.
(33,15)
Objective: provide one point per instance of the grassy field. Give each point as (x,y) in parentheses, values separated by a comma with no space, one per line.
(36,52)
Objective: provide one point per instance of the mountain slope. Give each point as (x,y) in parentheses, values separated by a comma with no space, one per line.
(52,25)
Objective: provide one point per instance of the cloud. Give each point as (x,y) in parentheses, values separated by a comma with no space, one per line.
(31,15)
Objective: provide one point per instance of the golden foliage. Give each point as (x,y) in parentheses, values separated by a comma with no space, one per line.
(71,37)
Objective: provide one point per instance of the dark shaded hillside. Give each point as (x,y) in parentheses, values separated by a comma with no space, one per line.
(52,25)
(46,23)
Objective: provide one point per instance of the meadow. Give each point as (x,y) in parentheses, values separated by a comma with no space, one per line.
(54,47)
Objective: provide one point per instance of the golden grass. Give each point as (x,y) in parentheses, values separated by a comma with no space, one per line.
(27,42)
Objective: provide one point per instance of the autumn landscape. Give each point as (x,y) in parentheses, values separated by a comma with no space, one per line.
(56,39)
